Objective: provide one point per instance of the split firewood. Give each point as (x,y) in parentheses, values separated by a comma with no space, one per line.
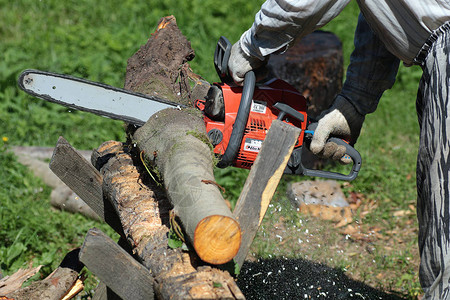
(14,282)
(56,285)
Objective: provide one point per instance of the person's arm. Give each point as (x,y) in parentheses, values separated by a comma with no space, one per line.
(280,22)
(372,70)
(276,26)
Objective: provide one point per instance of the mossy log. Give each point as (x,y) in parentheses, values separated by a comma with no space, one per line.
(175,142)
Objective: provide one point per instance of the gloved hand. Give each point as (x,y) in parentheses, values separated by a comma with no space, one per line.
(340,120)
(240,63)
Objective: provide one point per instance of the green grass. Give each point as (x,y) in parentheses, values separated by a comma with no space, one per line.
(93,40)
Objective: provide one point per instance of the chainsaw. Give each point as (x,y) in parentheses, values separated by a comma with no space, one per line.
(237,118)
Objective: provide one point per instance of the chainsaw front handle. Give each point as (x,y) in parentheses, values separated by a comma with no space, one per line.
(350,151)
(240,123)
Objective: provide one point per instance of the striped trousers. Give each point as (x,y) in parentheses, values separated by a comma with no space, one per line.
(433,165)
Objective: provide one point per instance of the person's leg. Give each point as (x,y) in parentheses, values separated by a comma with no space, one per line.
(433,171)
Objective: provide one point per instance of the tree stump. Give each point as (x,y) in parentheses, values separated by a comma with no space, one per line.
(314,66)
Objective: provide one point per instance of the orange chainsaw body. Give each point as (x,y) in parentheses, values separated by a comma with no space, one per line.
(261,115)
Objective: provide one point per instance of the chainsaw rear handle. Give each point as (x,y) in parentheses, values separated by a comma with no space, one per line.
(349,150)
(221,57)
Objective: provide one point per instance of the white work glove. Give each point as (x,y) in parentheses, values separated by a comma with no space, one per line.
(240,63)
(341,120)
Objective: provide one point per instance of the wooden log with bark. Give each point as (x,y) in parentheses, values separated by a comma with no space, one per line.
(137,196)
(145,212)
(169,141)
(175,142)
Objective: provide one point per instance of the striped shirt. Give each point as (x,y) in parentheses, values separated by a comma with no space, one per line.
(402,25)
(388,30)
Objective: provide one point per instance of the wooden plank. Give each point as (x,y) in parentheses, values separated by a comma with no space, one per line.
(262,182)
(102,292)
(79,174)
(115,267)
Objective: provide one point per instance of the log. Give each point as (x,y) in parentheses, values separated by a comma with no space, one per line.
(115,267)
(176,144)
(262,182)
(57,284)
(144,211)
(185,161)
(14,282)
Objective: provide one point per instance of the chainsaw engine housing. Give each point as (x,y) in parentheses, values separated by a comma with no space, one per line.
(262,113)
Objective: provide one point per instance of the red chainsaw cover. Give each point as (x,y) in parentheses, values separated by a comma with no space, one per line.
(262,113)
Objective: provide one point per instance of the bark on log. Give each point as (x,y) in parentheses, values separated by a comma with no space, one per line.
(14,282)
(144,211)
(179,141)
(175,142)
(160,66)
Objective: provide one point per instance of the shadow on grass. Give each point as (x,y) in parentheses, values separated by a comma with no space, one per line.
(302,279)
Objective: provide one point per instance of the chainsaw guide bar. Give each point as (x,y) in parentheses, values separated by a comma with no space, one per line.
(94,97)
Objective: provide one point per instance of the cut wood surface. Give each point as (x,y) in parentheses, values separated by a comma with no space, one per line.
(144,211)
(115,267)
(262,181)
(78,174)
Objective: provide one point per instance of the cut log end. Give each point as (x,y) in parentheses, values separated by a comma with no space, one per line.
(217,239)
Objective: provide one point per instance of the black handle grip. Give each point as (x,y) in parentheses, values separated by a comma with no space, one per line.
(349,150)
(221,57)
